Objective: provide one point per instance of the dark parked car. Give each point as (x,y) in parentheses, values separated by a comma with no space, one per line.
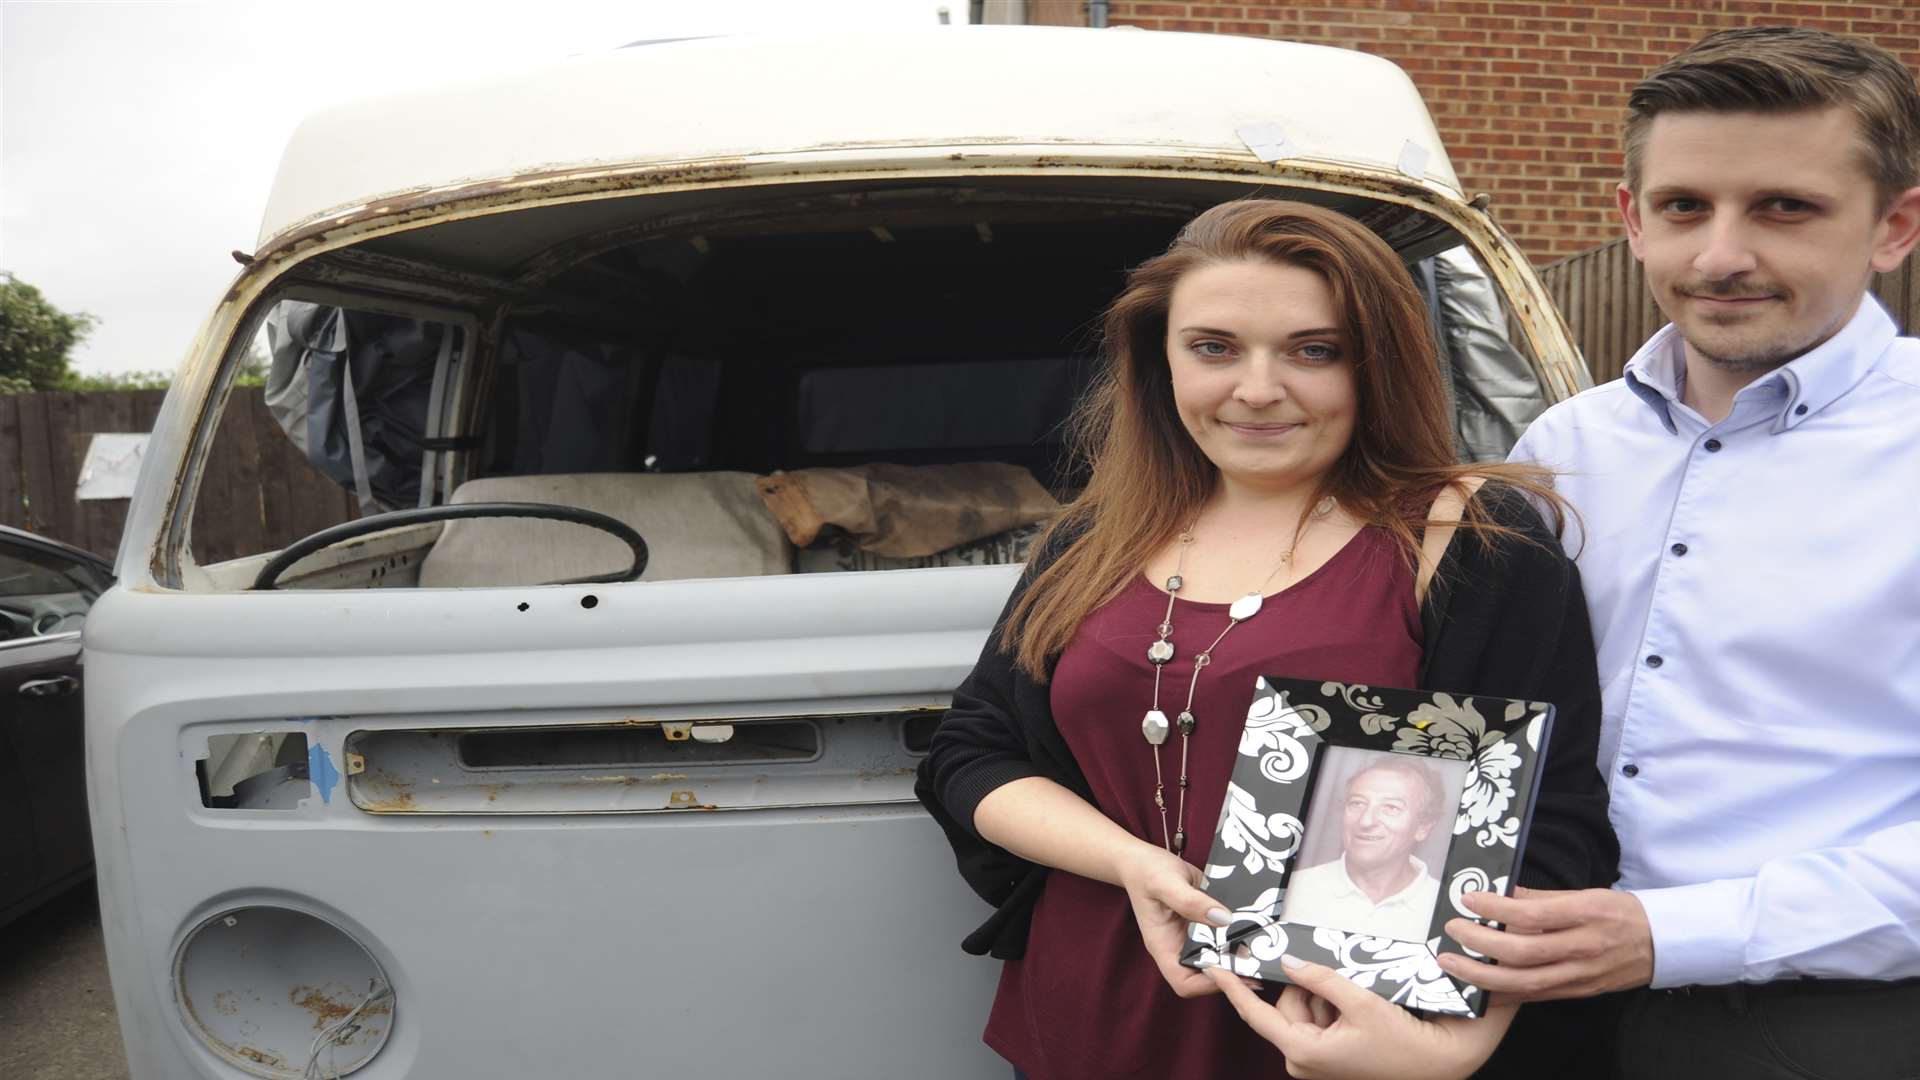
(46,588)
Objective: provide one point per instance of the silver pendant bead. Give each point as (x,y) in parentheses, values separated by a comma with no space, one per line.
(1160,652)
(1174,583)
(1155,727)
(1187,722)
(1179,841)
(1245,608)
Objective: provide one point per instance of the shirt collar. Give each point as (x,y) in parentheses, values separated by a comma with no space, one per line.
(1804,386)
(1345,887)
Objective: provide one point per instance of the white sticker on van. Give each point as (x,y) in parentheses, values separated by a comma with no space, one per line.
(1267,141)
(1413,159)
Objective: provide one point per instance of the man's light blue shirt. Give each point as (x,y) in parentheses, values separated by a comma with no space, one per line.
(1755,593)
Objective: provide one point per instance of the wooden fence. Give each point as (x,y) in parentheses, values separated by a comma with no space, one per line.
(258,494)
(1604,296)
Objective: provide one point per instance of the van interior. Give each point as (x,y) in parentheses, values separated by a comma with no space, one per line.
(892,365)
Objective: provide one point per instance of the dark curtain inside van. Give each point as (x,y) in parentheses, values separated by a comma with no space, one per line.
(323,359)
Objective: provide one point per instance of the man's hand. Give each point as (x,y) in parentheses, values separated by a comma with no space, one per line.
(1165,892)
(1556,945)
(1330,1029)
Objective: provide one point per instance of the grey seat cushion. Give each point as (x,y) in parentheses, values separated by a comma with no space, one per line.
(696,525)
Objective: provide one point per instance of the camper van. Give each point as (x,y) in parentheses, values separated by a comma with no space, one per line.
(686,412)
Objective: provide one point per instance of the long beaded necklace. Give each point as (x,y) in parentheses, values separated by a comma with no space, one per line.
(1155,726)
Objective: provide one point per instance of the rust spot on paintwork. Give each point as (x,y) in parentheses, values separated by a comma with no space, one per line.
(324,1008)
(687,800)
(427,202)
(398,803)
(258,1056)
(327,1009)
(381,792)
(226,1003)
(629,780)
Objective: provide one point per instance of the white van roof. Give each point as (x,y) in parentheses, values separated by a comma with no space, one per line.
(759,98)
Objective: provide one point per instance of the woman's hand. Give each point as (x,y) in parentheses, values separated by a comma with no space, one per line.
(1039,820)
(1330,1029)
(1165,892)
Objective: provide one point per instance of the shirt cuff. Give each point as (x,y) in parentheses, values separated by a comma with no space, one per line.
(1699,932)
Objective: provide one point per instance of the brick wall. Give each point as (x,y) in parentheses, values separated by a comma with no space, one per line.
(1527,96)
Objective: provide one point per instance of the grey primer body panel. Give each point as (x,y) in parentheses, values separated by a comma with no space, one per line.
(597,934)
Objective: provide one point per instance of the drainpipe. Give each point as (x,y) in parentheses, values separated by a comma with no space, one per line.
(1097,13)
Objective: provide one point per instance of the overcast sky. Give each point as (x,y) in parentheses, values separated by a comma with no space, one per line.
(137,140)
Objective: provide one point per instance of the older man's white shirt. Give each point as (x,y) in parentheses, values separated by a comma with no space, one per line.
(1325,895)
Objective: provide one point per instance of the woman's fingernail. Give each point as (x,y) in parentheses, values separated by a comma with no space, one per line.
(1288,960)
(1219,916)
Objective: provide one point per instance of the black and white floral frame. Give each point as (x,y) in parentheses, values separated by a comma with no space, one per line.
(1290,723)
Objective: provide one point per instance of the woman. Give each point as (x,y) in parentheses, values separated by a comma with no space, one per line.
(1273,490)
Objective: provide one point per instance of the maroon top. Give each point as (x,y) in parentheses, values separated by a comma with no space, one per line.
(1085,1000)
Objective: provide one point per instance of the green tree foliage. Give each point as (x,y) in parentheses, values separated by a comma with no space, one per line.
(253,372)
(35,338)
(119,380)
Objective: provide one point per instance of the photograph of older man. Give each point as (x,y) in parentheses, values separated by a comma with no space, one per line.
(1376,884)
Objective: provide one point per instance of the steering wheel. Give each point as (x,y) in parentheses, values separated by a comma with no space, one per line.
(269,575)
(37,621)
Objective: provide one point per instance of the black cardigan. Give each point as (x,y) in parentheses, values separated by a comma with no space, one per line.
(1505,620)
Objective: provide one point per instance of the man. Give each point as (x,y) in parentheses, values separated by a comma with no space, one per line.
(1750,491)
(1377,886)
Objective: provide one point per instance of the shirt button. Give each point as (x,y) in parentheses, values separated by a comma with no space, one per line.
(1630,770)
(1799,410)
(1713,446)
(1678,549)
(1654,661)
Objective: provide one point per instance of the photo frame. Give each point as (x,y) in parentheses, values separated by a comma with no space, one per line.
(1283,789)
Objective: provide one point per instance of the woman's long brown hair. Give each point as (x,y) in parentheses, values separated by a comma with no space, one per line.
(1148,478)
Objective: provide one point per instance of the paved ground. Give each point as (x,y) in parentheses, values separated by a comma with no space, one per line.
(56,1010)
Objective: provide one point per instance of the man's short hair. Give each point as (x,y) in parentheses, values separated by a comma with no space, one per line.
(1776,69)
(1431,803)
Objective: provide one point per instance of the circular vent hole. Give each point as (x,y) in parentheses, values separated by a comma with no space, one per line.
(268,989)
